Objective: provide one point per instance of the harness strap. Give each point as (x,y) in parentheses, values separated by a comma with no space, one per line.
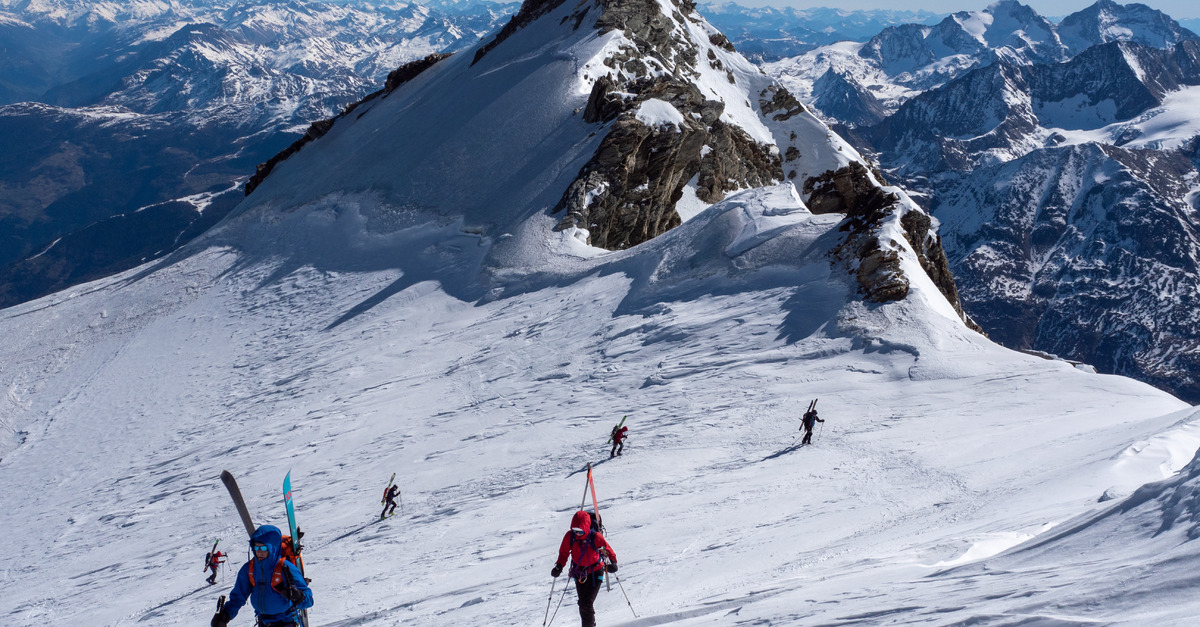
(579,571)
(276,575)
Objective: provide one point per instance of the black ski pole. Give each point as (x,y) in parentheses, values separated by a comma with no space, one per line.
(626,595)
(546,618)
(560,600)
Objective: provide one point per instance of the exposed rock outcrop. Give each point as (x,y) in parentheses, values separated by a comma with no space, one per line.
(626,194)
(875,262)
(315,131)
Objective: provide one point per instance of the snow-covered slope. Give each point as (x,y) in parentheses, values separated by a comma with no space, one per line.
(394,297)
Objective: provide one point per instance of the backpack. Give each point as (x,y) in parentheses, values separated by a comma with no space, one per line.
(597,523)
(277,575)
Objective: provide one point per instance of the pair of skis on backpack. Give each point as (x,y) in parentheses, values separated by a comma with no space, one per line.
(244,513)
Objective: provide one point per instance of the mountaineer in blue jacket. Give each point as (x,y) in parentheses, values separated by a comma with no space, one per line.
(275,587)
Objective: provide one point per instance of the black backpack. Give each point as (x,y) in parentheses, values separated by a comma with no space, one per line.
(597,522)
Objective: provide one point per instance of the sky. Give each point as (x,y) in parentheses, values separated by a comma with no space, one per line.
(1178,9)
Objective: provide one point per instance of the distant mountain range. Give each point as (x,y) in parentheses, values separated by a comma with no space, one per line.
(150,115)
(771,33)
(1061,160)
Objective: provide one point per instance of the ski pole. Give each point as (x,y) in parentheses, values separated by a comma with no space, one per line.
(626,595)
(586,484)
(822,430)
(546,618)
(560,600)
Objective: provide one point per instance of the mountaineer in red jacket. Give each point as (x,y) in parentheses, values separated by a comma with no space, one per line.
(618,440)
(588,551)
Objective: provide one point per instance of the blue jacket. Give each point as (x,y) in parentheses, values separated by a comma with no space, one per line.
(268,604)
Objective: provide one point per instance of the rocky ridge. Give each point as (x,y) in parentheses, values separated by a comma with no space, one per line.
(681,120)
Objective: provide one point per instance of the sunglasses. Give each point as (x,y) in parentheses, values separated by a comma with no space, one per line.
(259,547)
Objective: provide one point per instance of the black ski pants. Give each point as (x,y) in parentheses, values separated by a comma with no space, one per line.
(587,590)
(391,504)
(807,437)
(617,448)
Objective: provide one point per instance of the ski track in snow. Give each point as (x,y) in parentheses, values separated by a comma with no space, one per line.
(487,412)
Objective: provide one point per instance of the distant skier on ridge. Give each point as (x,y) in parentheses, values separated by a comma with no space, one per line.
(274,586)
(588,551)
(389,501)
(213,561)
(618,440)
(810,419)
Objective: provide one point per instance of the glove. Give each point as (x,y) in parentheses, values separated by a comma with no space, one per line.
(556,571)
(294,594)
(220,619)
(611,567)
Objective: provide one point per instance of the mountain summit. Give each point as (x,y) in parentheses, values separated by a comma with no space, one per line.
(607,123)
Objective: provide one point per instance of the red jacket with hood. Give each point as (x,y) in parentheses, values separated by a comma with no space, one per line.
(584,555)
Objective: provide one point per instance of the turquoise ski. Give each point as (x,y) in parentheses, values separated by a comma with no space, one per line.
(287,502)
(291,514)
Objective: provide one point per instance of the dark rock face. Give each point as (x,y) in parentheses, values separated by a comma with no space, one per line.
(835,91)
(867,206)
(848,190)
(316,130)
(626,194)
(1092,26)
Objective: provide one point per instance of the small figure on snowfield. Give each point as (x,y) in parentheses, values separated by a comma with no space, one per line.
(389,501)
(274,586)
(810,419)
(618,440)
(591,556)
(213,561)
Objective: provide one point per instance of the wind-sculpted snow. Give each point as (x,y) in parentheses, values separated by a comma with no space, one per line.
(1136,548)
(345,338)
